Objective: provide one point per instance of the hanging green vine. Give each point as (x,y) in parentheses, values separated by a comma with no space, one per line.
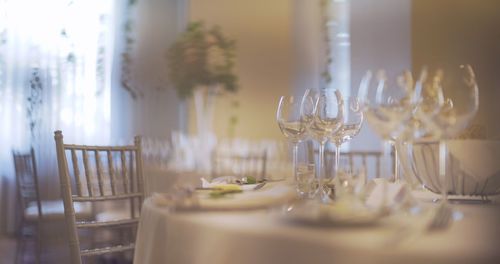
(126,73)
(325,18)
(35,102)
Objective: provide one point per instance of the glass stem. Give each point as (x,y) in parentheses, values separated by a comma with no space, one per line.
(295,154)
(387,154)
(442,171)
(386,170)
(396,162)
(337,159)
(322,193)
(337,178)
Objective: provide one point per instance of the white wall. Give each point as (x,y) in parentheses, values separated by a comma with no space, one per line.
(463,31)
(156,113)
(380,38)
(399,34)
(308,45)
(279,51)
(264,60)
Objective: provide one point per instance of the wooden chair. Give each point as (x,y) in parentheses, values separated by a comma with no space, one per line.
(29,200)
(100,174)
(228,164)
(370,160)
(34,209)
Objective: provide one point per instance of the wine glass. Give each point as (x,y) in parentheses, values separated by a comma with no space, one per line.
(323,112)
(353,120)
(388,103)
(291,124)
(457,95)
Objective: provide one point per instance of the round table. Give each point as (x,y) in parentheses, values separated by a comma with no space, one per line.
(266,236)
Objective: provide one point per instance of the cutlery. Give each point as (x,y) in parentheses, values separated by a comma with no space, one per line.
(259,186)
(441,219)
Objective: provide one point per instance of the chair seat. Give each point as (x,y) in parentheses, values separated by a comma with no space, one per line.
(112,215)
(54,210)
(106,250)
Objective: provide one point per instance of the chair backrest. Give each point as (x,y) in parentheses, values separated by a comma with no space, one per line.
(229,164)
(98,174)
(27,179)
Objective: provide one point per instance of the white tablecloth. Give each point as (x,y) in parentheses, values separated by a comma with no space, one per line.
(264,236)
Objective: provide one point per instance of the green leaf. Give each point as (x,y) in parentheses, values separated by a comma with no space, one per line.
(251,180)
(222,193)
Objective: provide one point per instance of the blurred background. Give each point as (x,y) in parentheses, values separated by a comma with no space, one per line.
(97,69)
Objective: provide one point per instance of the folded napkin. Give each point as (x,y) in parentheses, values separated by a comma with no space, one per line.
(226,181)
(218,181)
(384,194)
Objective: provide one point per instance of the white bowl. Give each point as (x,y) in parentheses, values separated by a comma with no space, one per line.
(472,166)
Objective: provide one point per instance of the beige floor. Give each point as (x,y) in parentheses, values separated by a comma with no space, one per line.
(8,250)
(54,247)
(54,250)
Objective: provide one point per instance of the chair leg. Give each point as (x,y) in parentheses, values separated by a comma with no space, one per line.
(20,243)
(38,242)
(20,249)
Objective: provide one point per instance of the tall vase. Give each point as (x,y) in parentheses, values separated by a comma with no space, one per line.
(204,102)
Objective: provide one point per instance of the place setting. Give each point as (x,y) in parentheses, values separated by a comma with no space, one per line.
(323,115)
(404,111)
(227,193)
(367,193)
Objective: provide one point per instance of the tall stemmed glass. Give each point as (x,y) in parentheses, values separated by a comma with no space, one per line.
(388,104)
(291,124)
(458,94)
(323,111)
(353,120)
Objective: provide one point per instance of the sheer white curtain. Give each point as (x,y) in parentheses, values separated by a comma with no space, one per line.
(55,68)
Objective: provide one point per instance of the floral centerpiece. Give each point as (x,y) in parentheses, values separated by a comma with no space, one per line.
(200,65)
(201,57)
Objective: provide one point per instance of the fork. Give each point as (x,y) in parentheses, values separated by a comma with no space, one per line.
(441,219)
(259,186)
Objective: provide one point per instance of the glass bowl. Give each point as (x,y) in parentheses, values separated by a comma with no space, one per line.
(472,166)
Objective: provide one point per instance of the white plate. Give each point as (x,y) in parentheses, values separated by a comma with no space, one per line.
(269,195)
